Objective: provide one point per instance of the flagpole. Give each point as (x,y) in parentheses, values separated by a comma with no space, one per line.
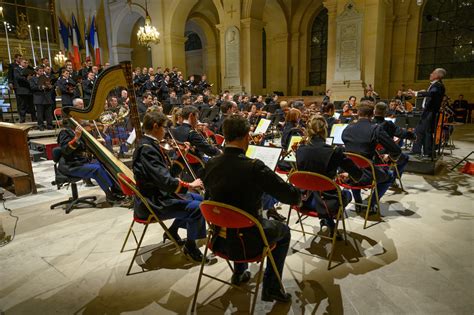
(39,39)
(32,48)
(49,50)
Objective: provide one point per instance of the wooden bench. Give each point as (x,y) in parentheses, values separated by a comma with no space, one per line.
(45,145)
(13,180)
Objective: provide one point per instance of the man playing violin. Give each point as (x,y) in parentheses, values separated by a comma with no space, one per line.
(160,188)
(234,179)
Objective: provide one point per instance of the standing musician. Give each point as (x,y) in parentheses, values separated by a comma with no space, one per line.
(67,87)
(154,181)
(318,157)
(250,180)
(42,98)
(76,162)
(431,105)
(362,138)
(186,132)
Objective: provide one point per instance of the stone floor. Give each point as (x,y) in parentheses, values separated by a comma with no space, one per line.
(419,261)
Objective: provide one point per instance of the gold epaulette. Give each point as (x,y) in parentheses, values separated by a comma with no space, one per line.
(222,232)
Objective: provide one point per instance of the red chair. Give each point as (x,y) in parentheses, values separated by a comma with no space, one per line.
(317,183)
(58,116)
(363,162)
(229,217)
(219,139)
(129,189)
(391,164)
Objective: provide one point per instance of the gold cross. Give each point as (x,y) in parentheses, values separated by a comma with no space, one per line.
(231,11)
(23,16)
(20,49)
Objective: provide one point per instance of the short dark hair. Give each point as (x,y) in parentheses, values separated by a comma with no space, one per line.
(235,127)
(184,98)
(146,94)
(328,107)
(225,106)
(365,110)
(188,110)
(154,117)
(380,109)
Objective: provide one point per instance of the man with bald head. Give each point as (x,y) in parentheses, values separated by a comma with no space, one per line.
(432,99)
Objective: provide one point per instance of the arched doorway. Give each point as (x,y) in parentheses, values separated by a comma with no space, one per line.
(193,47)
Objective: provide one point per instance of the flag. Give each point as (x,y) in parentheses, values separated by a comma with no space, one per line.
(94,40)
(69,48)
(75,44)
(64,34)
(86,41)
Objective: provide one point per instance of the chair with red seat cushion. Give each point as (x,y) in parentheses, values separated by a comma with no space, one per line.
(317,183)
(57,113)
(391,164)
(225,216)
(219,139)
(129,188)
(365,163)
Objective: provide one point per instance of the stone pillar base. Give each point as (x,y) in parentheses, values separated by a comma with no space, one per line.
(341,90)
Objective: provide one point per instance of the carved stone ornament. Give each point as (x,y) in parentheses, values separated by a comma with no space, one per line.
(350,11)
(22,27)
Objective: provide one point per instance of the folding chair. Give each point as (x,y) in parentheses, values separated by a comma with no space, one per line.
(317,183)
(222,215)
(129,189)
(391,164)
(363,162)
(57,116)
(219,139)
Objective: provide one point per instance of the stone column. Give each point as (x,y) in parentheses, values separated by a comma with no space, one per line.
(331,6)
(251,55)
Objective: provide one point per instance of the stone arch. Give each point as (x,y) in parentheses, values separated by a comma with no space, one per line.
(124,18)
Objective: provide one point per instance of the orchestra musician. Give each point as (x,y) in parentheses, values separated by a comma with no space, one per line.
(250,180)
(431,104)
(154,181)
(76,162)
(328,114)
(318,157)
(362,138)
(291,127)
(67,87)
(42,98)
(186,132)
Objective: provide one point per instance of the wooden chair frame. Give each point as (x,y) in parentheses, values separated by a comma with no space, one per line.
(339,216)
(266,252)
(152,218)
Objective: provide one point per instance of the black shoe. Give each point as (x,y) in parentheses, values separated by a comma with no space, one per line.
(359,208)
(275,295)
(176,236)
(238,279)
(114,198)
(89,182)
(194,253)
(50,127)
(272,213)
(41,128)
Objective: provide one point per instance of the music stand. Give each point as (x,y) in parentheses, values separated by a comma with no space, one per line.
(401,121)
(412,121)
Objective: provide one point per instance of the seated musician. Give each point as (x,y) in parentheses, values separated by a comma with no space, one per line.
(227,108)
(328,114)
(291,127)
(250,179)
(362,138)
(318,157)
(186,132)
(154,181)
(75,161)
(393,130)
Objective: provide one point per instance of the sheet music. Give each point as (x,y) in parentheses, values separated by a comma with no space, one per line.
(336,133)
(329,140)
(391,119)
(336,115)
(131,138)
(262,126)
(268,155)
(292,156)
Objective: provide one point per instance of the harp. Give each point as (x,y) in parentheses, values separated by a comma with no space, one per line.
(109,79)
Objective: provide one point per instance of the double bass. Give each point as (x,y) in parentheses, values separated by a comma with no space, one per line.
(109,79)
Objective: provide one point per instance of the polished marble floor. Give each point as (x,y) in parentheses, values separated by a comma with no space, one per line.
(418,261)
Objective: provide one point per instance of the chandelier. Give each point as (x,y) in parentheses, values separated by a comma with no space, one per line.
(60,59)
(147,34)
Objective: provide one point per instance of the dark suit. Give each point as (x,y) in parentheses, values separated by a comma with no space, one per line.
(426,127)
(362,138)
(24,98)
(185,133)
(43,101)
(234,179)
(318,157)
(154,181)
(67,94)
(87,87)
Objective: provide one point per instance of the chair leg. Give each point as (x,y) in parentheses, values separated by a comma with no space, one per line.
(288,218)
(275,269)
(135,254)
(259,280)
(333,248)
(369,203)
(301,223)
(230,266)
(399,177)
(340,216)
(193,307)
(128,235)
